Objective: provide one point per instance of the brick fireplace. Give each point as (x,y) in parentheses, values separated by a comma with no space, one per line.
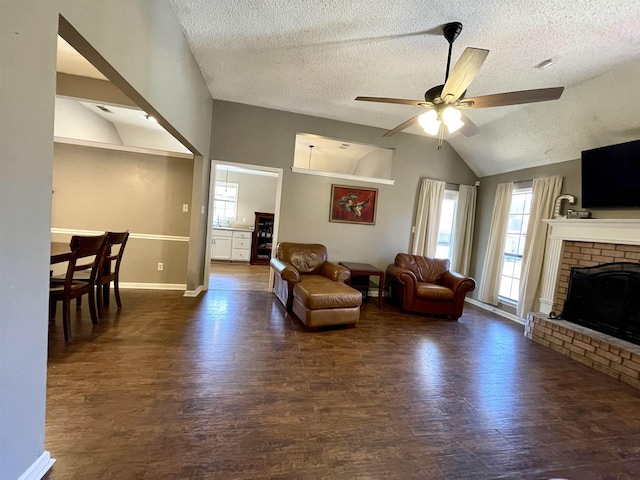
(588,254)
(615,233)
(585,242)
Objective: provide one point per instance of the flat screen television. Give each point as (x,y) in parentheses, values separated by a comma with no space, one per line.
(611,176)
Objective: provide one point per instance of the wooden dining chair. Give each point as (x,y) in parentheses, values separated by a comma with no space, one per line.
(111,270)
(87,255)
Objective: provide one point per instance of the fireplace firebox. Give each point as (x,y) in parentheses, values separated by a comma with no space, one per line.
(606,298)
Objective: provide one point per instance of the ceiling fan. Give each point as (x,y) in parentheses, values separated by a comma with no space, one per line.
(444,102)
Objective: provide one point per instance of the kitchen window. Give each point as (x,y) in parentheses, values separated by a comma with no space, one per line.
(225,202)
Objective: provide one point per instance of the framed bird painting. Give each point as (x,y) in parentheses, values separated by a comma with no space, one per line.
(353,205)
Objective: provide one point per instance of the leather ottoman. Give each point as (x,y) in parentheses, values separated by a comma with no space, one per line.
(319,303)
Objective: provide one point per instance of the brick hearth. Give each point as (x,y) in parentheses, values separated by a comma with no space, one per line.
(609,355)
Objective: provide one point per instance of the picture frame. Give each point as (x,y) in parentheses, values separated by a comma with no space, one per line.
(353,205)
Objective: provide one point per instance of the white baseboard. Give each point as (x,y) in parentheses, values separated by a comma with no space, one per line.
(193,293)
(495,310)
(39,468)
(154,286)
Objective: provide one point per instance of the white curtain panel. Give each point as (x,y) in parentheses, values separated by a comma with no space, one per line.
(492,268)
(463,229)
(545,191)
(427,221)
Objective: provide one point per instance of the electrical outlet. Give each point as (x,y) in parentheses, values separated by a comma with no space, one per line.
(160,266)
(244,219)
(185,207)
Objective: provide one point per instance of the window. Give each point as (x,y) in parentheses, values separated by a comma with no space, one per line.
(225,202)
(514,244)
(446,230)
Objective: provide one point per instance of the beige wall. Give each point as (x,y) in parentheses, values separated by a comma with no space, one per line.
(253,135)
(99,189)
(142,41)
(570,171)
(256,193)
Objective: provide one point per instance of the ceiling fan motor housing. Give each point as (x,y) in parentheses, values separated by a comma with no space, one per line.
(433,95)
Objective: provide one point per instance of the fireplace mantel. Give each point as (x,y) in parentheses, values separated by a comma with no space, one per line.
(621,231)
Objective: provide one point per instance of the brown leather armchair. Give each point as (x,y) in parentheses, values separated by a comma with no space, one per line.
(425,285)
(295,262)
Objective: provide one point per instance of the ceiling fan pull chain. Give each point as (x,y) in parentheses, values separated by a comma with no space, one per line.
(440,135)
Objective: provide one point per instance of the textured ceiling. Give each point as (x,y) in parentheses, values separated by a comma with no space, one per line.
(315,56)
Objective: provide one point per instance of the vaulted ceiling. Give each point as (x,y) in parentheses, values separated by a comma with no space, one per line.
(314,57)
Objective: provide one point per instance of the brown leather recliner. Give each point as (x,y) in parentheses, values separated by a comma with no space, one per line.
(426,285)
(313,288)
(295,262)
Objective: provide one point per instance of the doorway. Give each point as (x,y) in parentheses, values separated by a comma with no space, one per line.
(253,188)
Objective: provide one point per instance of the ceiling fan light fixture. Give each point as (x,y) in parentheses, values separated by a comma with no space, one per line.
(454,126)
(451,118)
(429,122)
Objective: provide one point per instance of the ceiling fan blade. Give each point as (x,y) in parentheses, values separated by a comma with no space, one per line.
(469,129)
(463,73)
(400,101)
(402,126)
(514,98)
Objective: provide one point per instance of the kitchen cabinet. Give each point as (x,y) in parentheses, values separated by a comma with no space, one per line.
(231,245)
(221,242)
(262,242)
(241,246)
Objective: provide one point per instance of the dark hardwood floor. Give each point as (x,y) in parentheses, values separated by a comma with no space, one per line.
(238,276)
(226,386)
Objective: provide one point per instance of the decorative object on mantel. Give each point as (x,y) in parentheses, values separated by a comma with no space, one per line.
(557,209)
(577,214)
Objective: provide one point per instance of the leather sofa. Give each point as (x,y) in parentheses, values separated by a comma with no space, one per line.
(426,285)
(313,288)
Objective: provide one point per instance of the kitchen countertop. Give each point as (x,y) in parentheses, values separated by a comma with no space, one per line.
(234,229)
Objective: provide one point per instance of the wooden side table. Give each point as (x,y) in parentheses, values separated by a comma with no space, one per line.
(364,270)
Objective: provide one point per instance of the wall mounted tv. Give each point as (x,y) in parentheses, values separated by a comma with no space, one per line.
(611,176)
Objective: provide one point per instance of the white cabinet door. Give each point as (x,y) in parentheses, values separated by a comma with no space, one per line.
(221,248)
